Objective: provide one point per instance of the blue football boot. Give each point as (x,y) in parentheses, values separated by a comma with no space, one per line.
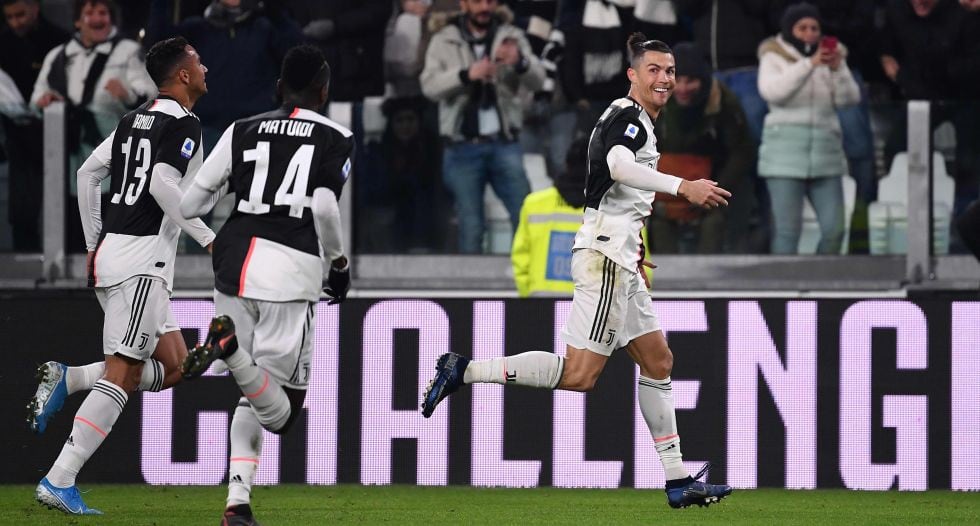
(49,397)
(68,500)
(449,376)
(692,491)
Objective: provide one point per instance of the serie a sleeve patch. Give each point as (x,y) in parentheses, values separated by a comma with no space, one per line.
(346,169)
(631,131)
(187,149)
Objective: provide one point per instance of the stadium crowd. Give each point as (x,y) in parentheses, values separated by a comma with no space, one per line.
(446,98)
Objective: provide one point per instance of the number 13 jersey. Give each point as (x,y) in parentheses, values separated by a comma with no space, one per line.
(137,237)
(269,249)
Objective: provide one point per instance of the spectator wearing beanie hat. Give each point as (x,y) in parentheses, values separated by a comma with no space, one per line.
(853,23)
(702,133)
(801,152)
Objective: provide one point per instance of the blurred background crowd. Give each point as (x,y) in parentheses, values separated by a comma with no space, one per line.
(462,109)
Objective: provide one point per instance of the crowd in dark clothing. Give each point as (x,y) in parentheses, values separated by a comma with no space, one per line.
(899,50)
(24,49)
(242,49)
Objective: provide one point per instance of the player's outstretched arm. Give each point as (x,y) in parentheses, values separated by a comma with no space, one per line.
(197,201)
(704,193)
(624,169)
(211,180)
(165,189)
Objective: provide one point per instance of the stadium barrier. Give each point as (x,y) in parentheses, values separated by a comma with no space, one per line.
(804,393)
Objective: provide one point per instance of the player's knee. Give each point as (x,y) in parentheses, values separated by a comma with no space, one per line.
(588,384)
(280,430)
(296,398)
(123,371)
(662,366)
(285,425)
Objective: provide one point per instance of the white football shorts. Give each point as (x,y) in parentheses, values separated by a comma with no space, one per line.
(610,305)
(278,335)
(137,313)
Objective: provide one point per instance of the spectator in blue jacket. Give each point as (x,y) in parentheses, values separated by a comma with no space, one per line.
(243,48)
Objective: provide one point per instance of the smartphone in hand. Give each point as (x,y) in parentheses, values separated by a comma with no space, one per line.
(828,43)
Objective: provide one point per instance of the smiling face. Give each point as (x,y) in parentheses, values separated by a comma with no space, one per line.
(94,23)
(652,79)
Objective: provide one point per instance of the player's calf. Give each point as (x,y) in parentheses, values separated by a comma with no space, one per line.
(296,398)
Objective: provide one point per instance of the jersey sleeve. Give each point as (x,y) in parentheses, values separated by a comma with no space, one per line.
(335,165)
(216,169)
(179,142)
(626,130)
(103,152)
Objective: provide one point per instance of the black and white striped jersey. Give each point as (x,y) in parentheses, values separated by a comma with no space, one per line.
(137,237)
(269,249)
(615,214)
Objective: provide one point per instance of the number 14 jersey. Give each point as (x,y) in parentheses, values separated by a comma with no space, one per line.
(269,249)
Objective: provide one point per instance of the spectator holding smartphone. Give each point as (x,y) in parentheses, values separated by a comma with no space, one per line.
(477,68)
(804,78)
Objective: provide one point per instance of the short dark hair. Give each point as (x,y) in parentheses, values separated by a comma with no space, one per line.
(109,4)
(638,44)
(5,3)
(163,57)
(304,69)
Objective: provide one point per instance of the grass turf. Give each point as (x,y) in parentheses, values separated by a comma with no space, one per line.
(303,505)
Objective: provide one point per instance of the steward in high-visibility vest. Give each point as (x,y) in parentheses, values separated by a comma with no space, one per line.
(542,251)
(541,255)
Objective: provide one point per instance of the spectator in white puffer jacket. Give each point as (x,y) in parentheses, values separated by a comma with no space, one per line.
(804,81)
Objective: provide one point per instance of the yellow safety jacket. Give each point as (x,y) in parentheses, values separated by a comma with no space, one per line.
(542,251)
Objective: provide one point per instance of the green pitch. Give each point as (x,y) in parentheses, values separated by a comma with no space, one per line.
(306,505)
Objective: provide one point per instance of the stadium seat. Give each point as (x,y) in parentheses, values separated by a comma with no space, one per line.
(887,217)
(373,119)
(810,231)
